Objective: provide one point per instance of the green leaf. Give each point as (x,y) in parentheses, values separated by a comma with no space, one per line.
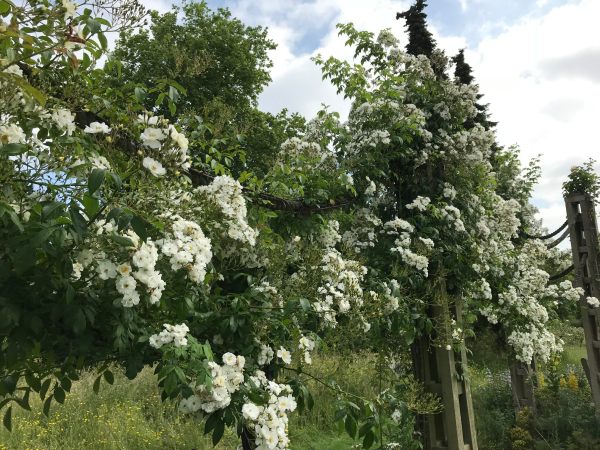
(25,86)
(79,322)
(4,6)
(103,40)
(305,304)
(24,402)
(140,94)
(33,382)
(93,25)
(96,385)
(95,180)
(369,439)
(7,420)
(116,179)
(140,226)
(351,426)
(59,394)
(24,259)
(65,383)
(78,221)
(173,94)
(46,409)
(121,240)
(218,432)
(211,422)
(13,149)
(7,209)
(91,204)
(109,377)
(44,389)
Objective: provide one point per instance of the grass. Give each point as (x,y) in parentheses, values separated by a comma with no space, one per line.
(129,415)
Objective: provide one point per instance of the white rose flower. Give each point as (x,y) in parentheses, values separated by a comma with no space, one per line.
(70,9)
(15,70)
(229,359)
(126,284)
(151,137)
(284,355)
(97,128)
(593,302)
(250,411)
(154,167)
(11,134)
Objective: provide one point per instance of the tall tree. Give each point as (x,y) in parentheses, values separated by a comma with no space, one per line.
(463,74)
(222,64)
(462,70)
(420,40)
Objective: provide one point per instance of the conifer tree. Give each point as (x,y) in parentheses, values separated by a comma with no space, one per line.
(462,70)
(463,74)
(420,40)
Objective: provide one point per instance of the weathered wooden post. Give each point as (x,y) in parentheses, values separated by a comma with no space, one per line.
(583,230)
(522,381)
(442,372)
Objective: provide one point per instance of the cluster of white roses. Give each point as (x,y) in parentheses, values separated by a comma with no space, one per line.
(420,203)
(226,379)
(390,291)
(523,307)
(330,235)
(227,194)
(452,215)
(265,356)
(187,247)
(300,154)
(176,334)
(306,345)
(142,268)
(341,286)
(363,234)
(270,421)
(161,137)
(593,302)
(402,229)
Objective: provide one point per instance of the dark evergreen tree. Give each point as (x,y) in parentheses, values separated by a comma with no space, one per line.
(462,70)
(463,74)
(420,40)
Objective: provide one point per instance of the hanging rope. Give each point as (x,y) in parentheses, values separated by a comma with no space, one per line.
(562,273)
(558,241)
(546,236)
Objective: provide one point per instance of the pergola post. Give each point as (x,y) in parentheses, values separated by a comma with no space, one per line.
(583,230)
(522,381)
(442,372)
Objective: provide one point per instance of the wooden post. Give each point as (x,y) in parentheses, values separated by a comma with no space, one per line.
(442,372)
(583,229)
(522,381)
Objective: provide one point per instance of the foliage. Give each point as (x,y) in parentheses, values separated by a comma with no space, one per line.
(134,233)
(217,58)
(583,179)
(420,41)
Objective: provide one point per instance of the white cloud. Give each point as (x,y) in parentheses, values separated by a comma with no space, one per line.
(539,75)
(541,79)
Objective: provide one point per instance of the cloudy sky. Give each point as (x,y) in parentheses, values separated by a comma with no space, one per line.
(537,63)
